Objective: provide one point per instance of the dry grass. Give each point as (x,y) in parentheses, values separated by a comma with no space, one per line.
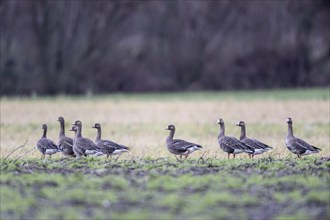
(140,123)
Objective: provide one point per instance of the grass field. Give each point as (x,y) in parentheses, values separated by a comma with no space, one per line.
(163,188)
(139,120)
(148,182)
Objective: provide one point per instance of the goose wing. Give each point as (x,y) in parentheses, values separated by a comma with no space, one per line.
(113,145)
(232,143)
(303,144)
(65,143)
(256,144)
(182,146)
(45,143)
(66,146)
(86,144)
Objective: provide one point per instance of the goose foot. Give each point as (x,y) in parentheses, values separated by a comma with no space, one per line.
(178,159)
(117,158)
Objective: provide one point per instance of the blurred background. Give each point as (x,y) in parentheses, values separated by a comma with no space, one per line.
(82,47)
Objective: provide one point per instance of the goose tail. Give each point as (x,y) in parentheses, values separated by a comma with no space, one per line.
(317,149)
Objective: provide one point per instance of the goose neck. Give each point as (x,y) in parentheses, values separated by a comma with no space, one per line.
(243,133)
(290,130)
(98,135)
(44,135)
(78,133)
(170,136)
(62,130)
(222,130)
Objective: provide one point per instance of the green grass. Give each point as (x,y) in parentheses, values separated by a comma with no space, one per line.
(165,188)
(146,183)
(274,94)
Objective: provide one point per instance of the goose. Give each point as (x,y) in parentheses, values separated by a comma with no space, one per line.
(65,143)
(297,145)
(258,146)
(83,146)
(230,144)
(108,147)
(178,146)
(46,145)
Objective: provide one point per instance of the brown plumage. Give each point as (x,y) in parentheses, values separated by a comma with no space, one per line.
(65,143)
(229,144)
(83,146)
(297,145)
(46,145)
(178,146)
(108,147)
(256,145)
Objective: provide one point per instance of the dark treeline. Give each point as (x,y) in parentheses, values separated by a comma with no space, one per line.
(73,47)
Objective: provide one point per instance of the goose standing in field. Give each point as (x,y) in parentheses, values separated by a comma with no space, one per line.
(231,145)
(83,146)
(297,145)
(108,147)
(258,146)
(45,145)
(65,143)
(180,147)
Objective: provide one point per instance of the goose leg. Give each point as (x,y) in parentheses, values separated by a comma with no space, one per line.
(234,155)
(117,158)
(187,155)
(178,159)
(228,155)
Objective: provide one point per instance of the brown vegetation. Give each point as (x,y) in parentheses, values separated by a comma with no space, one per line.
(141,124)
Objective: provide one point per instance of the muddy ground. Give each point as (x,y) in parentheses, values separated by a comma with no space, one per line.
(165,188)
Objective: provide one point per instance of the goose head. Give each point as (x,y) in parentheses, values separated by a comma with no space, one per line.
(289,121)
(220,121)
(240,124)
(97,126)
(77,123)
(60,119)
(170,127)
(74,128)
